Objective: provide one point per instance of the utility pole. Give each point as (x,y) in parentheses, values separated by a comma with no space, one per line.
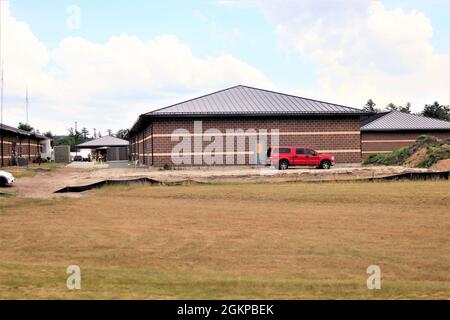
(1,66)
(1,98)
(1,110)
(76,138)
(27,105)
(1,93)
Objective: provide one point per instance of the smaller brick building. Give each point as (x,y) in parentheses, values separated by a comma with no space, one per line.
(387,131)
(16,144)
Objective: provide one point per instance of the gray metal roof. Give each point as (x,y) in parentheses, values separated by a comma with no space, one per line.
(244,100)
(397,121)
(107,141)
(21,132)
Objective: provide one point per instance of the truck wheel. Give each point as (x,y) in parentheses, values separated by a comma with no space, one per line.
(2,182)
(283,165)
(325,165)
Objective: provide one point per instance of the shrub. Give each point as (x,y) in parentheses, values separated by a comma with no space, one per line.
(396,157)
(434,155)
(375,158)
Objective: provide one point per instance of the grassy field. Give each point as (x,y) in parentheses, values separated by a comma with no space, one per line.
(264,241)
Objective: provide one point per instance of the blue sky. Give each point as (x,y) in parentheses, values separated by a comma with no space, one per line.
(296,47)
(207,26)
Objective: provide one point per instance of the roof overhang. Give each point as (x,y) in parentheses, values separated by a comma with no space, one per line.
(405,130)
(100,146)
(22,133)
(144,118)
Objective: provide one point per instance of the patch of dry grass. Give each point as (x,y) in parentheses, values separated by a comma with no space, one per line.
(32,169)
(288,240)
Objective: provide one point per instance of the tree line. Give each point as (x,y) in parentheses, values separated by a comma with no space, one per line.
(434,110)
(75,137)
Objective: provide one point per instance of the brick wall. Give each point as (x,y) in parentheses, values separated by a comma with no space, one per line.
(21,147)
(6,147)
(374,142)
(339,136)
(141,146)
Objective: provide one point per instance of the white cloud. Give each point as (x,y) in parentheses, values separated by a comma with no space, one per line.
(231,37)
(106,85)
(362,50)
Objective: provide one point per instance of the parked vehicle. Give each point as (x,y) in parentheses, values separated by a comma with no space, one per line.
(285,157)
(78,158)
(6,179)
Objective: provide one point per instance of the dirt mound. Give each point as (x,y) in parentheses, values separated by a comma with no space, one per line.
(414,159)
(424,153)
(442,165)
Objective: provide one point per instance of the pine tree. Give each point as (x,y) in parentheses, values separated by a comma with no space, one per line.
(370,106)
(85,132)
(406,108)
(391,107)
(437,111)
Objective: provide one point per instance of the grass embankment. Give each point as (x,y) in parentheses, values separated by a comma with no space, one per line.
(263,241)
(425,152)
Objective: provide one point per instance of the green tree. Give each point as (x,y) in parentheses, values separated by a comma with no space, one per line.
(85,133)
(63,141)
(391,107)
(370,106)
(122,134)
(48,134)
(25,127)
(406,108)
(437,111)
(75,137)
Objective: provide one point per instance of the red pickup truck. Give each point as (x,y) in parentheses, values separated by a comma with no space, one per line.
(284,157)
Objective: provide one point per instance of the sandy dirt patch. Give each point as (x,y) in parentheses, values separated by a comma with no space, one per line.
(442,165)
(43,185)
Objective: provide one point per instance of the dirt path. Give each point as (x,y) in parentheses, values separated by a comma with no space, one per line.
(43,185)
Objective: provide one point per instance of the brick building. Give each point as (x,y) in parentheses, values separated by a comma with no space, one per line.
(387,131)
(16,144)
(238,125)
